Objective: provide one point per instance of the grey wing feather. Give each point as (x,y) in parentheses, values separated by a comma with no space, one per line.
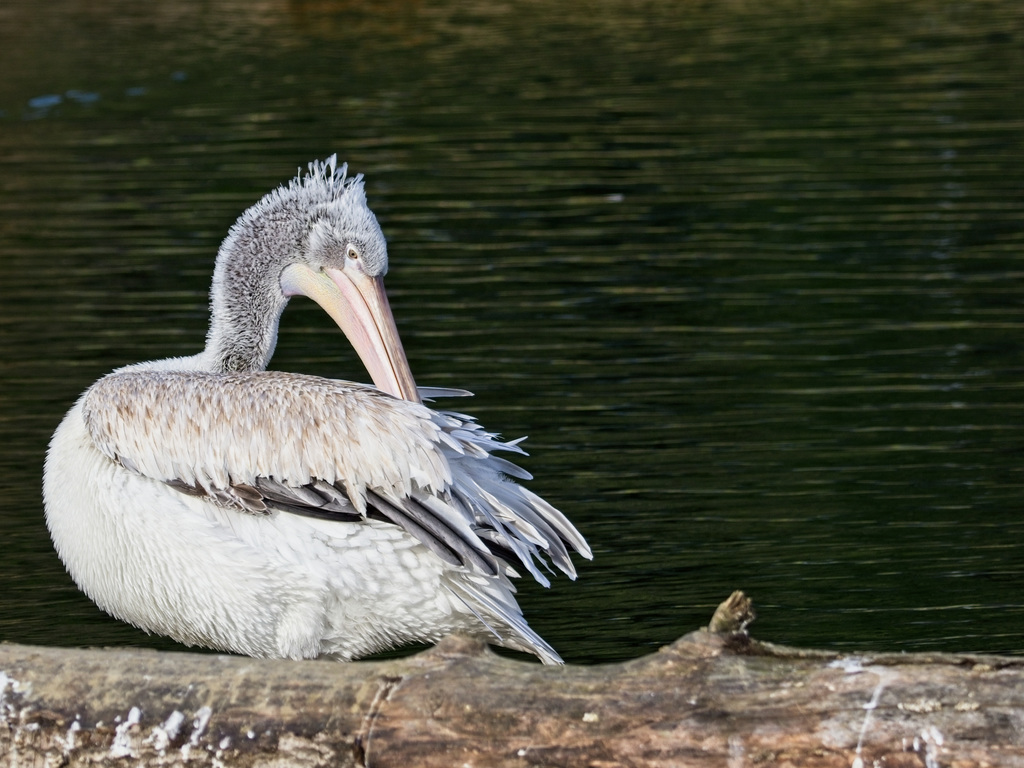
(430,393)
(461,548)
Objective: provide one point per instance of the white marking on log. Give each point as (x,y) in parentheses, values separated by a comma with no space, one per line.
(162,735)
(850,666)
(385,688)
(853,666)
(173,724)
(69,737)
(933,741)
(199,725)
(736,753)
(122,744)
(7,708)
(4,706)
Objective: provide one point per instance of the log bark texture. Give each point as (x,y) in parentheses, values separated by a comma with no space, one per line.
(709,699)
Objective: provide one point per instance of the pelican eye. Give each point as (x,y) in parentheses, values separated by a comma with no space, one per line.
(353,252)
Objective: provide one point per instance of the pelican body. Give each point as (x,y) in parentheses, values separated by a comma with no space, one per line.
(291,516)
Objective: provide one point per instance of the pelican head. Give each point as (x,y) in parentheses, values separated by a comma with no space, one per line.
(315,237)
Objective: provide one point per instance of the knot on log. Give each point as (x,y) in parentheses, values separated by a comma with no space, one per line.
(727,632)
(733,615)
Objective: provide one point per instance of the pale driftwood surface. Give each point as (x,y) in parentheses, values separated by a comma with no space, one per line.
(709,699)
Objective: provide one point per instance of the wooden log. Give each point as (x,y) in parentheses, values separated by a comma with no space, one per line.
(709,699)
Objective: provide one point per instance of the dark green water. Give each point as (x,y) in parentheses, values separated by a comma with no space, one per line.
(749,275)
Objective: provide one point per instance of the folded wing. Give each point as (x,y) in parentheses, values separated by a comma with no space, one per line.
(271,442)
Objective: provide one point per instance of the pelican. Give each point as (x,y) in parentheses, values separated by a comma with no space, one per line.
(283,515)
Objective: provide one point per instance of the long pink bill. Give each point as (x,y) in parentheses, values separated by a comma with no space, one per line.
(359,305)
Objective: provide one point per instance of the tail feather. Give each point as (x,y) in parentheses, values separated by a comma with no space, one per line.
(497,610)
